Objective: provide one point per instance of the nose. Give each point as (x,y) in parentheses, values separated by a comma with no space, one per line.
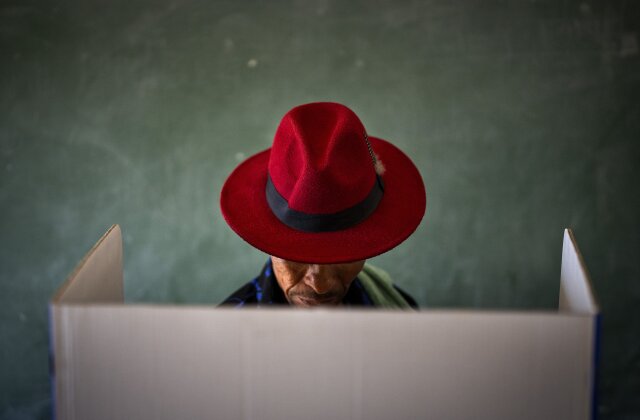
(318,277)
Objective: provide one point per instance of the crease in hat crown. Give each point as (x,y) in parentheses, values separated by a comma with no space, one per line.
(319,161)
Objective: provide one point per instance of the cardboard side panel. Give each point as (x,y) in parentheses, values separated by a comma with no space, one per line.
(98,277)
(61,380)
(144,362)
(575,285)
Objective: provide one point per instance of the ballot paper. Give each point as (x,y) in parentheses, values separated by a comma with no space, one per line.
(113,360)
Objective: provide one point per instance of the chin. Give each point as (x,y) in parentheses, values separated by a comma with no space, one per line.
(310,302)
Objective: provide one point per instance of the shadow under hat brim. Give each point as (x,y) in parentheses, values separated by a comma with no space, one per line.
(397,216)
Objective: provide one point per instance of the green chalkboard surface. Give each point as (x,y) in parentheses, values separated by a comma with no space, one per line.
(522,116)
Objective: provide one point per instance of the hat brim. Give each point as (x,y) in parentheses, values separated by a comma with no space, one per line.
(397,216)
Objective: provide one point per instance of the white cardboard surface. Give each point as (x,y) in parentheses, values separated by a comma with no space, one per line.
(98,277)
(115,361)
(575,285)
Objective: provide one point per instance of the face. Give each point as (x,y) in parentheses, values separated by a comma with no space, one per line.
(314,284)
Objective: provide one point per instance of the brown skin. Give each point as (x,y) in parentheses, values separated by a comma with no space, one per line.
(314,284)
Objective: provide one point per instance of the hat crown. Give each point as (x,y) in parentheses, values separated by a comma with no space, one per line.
(319,161)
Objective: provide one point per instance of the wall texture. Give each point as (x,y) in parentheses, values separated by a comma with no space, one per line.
(523,117)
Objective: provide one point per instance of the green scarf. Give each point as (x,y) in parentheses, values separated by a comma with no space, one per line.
(378,285)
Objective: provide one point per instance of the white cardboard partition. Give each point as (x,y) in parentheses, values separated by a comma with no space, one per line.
(117,361)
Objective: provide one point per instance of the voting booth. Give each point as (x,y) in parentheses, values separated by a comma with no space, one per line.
(112,360)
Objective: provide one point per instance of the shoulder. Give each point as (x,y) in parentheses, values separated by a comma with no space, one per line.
(382,290)
(262,290)
(410,300)
(245,295)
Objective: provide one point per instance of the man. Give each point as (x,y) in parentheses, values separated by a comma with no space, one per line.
(322,200)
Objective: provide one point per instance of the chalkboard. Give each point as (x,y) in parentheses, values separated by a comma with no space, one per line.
(523,118)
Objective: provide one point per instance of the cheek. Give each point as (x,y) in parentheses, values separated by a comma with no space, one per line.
(289,281)
(344,275)
(349,273)
(287,277)
(347,278)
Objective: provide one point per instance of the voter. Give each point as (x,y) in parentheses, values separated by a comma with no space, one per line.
(323,199)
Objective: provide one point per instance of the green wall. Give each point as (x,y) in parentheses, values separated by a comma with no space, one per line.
(523,118)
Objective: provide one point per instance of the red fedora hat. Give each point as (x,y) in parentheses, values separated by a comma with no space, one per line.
(324,192)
